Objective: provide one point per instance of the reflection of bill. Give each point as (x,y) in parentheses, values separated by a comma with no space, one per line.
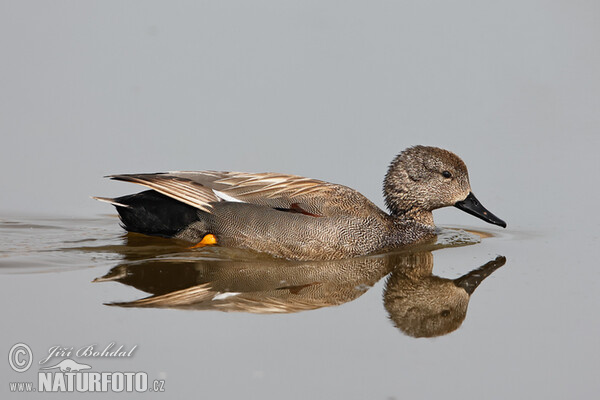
(419,303)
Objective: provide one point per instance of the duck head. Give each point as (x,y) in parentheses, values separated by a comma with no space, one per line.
(422,179)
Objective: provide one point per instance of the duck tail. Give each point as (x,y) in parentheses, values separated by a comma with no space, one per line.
(153,213)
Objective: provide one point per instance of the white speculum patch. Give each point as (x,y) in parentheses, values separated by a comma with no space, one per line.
(226,197)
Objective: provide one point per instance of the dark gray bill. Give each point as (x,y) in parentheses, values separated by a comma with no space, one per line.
(472,206)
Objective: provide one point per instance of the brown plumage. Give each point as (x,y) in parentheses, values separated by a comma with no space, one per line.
(300,218)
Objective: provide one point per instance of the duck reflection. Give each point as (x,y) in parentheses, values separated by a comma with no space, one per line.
(419,303)
(255,286)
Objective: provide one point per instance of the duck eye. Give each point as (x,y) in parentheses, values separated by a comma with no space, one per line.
(446,174)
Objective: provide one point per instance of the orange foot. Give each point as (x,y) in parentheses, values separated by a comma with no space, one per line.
(207,240)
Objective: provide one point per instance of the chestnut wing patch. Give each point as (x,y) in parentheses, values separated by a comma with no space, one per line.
(297,208)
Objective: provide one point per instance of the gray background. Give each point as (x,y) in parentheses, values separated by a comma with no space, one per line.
(330,90)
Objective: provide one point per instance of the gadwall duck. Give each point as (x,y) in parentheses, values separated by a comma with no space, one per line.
(300,218)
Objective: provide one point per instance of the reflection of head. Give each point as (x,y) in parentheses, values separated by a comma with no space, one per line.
(423,305)
(427,308)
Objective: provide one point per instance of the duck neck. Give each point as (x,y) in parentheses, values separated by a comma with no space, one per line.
(410,226)
(420,216)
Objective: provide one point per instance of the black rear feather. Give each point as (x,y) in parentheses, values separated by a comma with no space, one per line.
(153,213)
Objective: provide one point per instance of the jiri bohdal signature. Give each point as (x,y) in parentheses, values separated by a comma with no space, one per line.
(91,351)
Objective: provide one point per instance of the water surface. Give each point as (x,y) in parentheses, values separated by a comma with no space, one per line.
(269,323)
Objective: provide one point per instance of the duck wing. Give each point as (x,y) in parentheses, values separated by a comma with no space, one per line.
(203,189)
(181,189)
